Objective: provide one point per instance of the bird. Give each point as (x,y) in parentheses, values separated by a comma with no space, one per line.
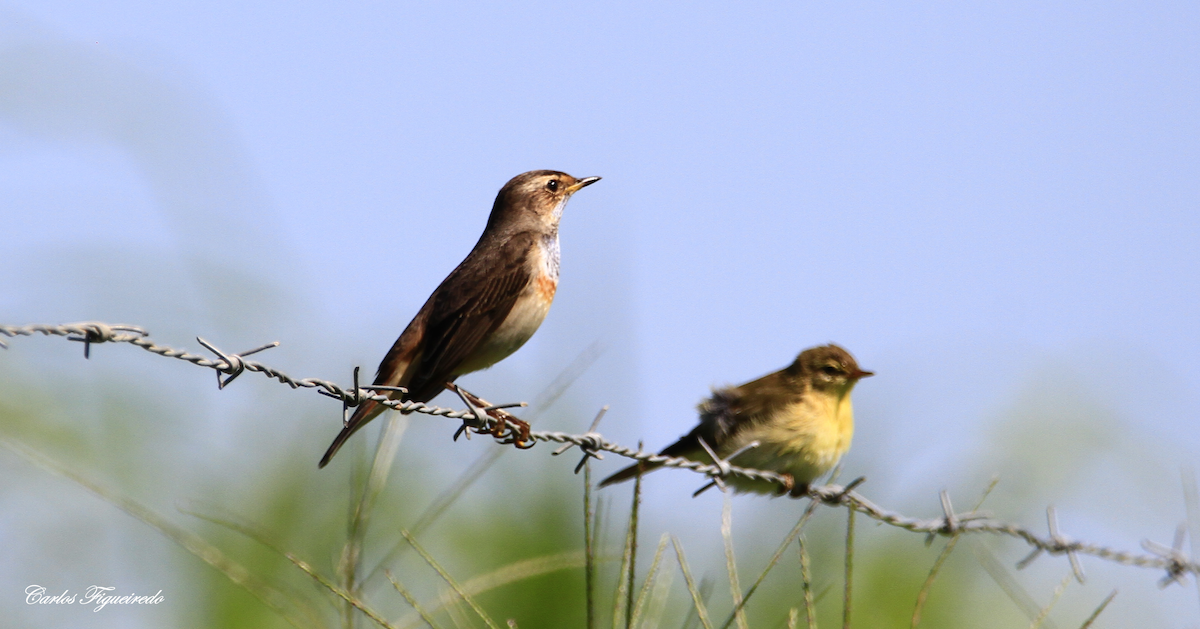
(800,416)
(488,306)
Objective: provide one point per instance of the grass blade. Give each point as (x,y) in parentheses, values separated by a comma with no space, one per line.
(250,531)
(1045,611)
(928,585)
(463,594)
(345,595)
(589,549)
(633,546)
(1091,619)
(516,571)
(697,601)
(787,540)
(658,599)
(735,588)
(651,577)
(381,467)
(810,608)
(846,607)
(523,569)
(622,602)
(412,601)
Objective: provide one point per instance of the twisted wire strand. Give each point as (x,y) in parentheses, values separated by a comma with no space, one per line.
(232,364)
(1171,559)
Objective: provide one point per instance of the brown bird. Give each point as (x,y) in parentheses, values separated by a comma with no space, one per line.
(489,305)
(800,416)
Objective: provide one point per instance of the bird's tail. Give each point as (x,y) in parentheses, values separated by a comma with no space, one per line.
(364,413)
(629,473)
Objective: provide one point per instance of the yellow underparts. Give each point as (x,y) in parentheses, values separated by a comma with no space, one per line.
(805,440)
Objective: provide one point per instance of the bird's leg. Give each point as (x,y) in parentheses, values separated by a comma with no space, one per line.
(500,426)
(476,423)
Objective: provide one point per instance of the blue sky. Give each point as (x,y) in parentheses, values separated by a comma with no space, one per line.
(979,200)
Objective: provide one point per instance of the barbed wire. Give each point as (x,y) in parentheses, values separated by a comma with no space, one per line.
(483,417)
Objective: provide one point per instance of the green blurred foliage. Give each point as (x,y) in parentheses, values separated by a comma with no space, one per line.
(524,508)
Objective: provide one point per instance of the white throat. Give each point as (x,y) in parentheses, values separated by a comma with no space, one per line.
(550,255)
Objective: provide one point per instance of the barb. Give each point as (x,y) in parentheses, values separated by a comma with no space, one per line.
(723,467)
(232,365)
(237,365)
(1177,560)
(87,332)
(1171,559)
(589,448)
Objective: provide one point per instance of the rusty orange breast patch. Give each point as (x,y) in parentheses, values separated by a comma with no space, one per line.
(546,287)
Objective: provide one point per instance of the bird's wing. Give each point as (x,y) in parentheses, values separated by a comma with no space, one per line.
(723,417)
(469,305)
(718,419)
(733,410)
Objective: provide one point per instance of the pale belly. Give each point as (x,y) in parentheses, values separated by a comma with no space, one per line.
(807,446)
(522,321)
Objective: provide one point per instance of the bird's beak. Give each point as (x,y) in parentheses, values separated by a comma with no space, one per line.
(859,374)
(586,181)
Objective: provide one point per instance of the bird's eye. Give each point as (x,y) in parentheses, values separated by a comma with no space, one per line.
(830,370)
(552,185)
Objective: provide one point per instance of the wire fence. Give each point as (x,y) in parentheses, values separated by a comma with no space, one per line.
(483,417)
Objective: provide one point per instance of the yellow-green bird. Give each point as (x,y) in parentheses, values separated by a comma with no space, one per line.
(800,416)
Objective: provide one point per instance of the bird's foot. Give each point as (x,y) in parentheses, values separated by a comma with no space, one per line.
(798,490)
(521,439)
(504,427)
(509,429)
(789,484)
